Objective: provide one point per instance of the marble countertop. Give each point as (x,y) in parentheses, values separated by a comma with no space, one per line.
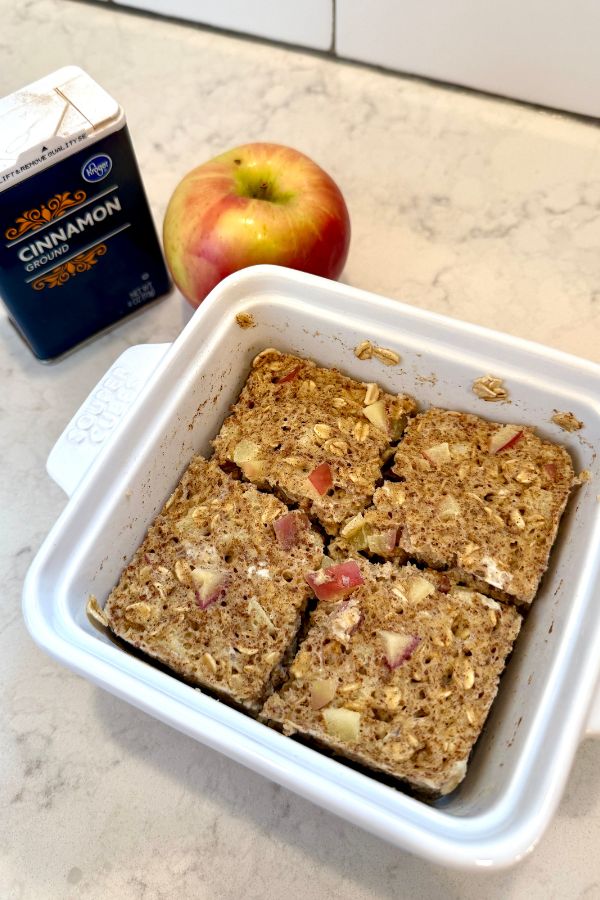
(468,205)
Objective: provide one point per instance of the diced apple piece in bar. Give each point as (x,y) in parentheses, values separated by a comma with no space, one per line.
(291,376)
(438,454)
(209,586)
(288,527)
(397,647)
(353,526)
(449,508)
(419,588)
(397,426)
(377,415)
(322,692)
(245,451)
(259,615)
(355,533)
(505,438)
(335,582)
(342,723)
(245,456)
(321,478)
(254,469)
(383,542)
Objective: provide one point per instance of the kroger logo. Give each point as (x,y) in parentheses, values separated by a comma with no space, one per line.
(97,168)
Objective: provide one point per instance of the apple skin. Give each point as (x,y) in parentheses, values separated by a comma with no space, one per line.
(258,203)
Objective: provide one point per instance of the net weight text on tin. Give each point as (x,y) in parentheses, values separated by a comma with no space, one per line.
(142,293)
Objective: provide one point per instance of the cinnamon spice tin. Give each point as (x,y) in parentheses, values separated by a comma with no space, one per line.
(78,247)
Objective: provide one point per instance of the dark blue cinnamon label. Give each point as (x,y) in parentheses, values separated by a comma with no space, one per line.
(79,249)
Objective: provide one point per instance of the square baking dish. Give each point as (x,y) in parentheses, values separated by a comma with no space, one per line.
(127,446)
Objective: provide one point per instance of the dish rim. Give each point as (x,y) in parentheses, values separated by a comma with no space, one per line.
(491,841)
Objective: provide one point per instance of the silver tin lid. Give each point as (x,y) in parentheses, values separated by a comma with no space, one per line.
(52,118)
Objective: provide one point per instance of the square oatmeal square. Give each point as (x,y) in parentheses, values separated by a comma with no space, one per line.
(314,436)
(481,497)
(396,673)
(217,589)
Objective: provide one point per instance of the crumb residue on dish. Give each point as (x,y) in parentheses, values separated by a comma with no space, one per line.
(567,421)
(584,476)
(427,379)
(199,410)
(245,320)
(490,388)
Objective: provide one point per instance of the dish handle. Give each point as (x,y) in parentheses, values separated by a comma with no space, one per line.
(101,414)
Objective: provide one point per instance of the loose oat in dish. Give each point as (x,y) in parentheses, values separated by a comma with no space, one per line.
(367,350)
(490,388)
(386,356)
(364,350)
(397,675)
(483,497)
(314,436)
(217,589)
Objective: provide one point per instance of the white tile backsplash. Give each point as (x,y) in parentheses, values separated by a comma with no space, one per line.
(308,23)
(541,51)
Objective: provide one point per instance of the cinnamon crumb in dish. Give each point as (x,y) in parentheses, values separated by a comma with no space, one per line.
(245,320)
(567,421)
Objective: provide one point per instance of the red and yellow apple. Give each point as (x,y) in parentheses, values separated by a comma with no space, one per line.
(259,203)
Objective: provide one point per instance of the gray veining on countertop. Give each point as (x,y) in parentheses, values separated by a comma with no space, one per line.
(463,204)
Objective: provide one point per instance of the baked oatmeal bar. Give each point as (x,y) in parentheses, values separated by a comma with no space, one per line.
(397,672)
(217,589)
(482,497)
(314,436)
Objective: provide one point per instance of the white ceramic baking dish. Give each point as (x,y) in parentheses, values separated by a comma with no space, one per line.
(160,404)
